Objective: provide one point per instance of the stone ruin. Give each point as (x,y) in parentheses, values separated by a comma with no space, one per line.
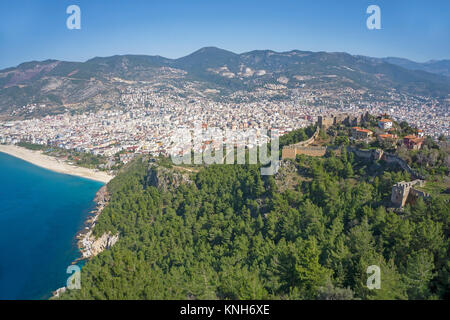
(403,192)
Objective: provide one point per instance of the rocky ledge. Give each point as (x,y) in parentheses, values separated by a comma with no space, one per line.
(58,292)
(88,244)
(166,179)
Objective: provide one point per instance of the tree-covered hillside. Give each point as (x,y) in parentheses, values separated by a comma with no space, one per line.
(229,233)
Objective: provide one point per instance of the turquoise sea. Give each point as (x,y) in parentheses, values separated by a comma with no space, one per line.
(40,213)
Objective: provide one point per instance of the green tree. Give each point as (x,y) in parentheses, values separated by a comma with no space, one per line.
(419,272)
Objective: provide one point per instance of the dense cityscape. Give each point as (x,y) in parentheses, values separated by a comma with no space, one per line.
(145,120)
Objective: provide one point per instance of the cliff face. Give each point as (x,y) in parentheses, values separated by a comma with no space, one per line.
(165,178)
(90,247)
(102,196)
(88,244)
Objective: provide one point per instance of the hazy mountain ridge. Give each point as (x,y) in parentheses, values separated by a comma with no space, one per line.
(97,80)
(441,67)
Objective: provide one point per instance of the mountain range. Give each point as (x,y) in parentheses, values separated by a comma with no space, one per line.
(96,82)
(441,67)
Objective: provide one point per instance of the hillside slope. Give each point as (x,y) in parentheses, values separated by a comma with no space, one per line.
(226,232)
(97,82)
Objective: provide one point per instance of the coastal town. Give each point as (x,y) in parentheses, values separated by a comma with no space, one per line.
(233,158)
(145,119)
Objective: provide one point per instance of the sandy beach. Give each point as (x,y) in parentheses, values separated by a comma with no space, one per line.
(54,164)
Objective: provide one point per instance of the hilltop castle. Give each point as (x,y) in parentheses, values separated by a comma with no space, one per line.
(344,118)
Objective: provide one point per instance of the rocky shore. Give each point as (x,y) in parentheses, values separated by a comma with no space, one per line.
(88,245)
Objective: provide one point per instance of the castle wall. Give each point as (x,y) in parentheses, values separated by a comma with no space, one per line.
(403,192)
(378,154)
(374,154)
(390,158)
(399,195)
(291,151)
(288,153)
(419,193)
(312,151)
(325,122)
(347,119)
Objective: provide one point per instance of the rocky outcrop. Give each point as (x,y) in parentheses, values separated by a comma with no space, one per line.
(165,178)
(88,244)
(58,292)
(102,196)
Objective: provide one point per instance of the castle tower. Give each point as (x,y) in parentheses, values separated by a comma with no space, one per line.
(325,122)
(400,192)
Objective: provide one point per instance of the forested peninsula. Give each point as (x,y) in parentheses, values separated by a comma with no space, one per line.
(308,232)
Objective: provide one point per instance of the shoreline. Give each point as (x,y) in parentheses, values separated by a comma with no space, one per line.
(88,245)
(54,164)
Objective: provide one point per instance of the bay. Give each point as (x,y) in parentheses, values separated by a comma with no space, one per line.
(40,214)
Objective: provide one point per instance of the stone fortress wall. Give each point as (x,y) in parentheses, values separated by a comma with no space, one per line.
(303,147)
(323,122)
(344,118)
(404,192)
(391,158)
(378,154)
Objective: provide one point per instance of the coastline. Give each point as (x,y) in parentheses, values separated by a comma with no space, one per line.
(88,245)
(54,164)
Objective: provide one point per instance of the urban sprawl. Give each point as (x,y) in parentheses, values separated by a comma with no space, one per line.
(146,120)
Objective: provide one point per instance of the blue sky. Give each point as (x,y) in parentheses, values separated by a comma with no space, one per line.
(36,29)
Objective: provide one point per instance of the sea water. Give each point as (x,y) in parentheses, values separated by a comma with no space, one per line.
(40,214)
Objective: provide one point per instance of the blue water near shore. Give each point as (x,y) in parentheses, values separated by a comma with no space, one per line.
(40,214)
